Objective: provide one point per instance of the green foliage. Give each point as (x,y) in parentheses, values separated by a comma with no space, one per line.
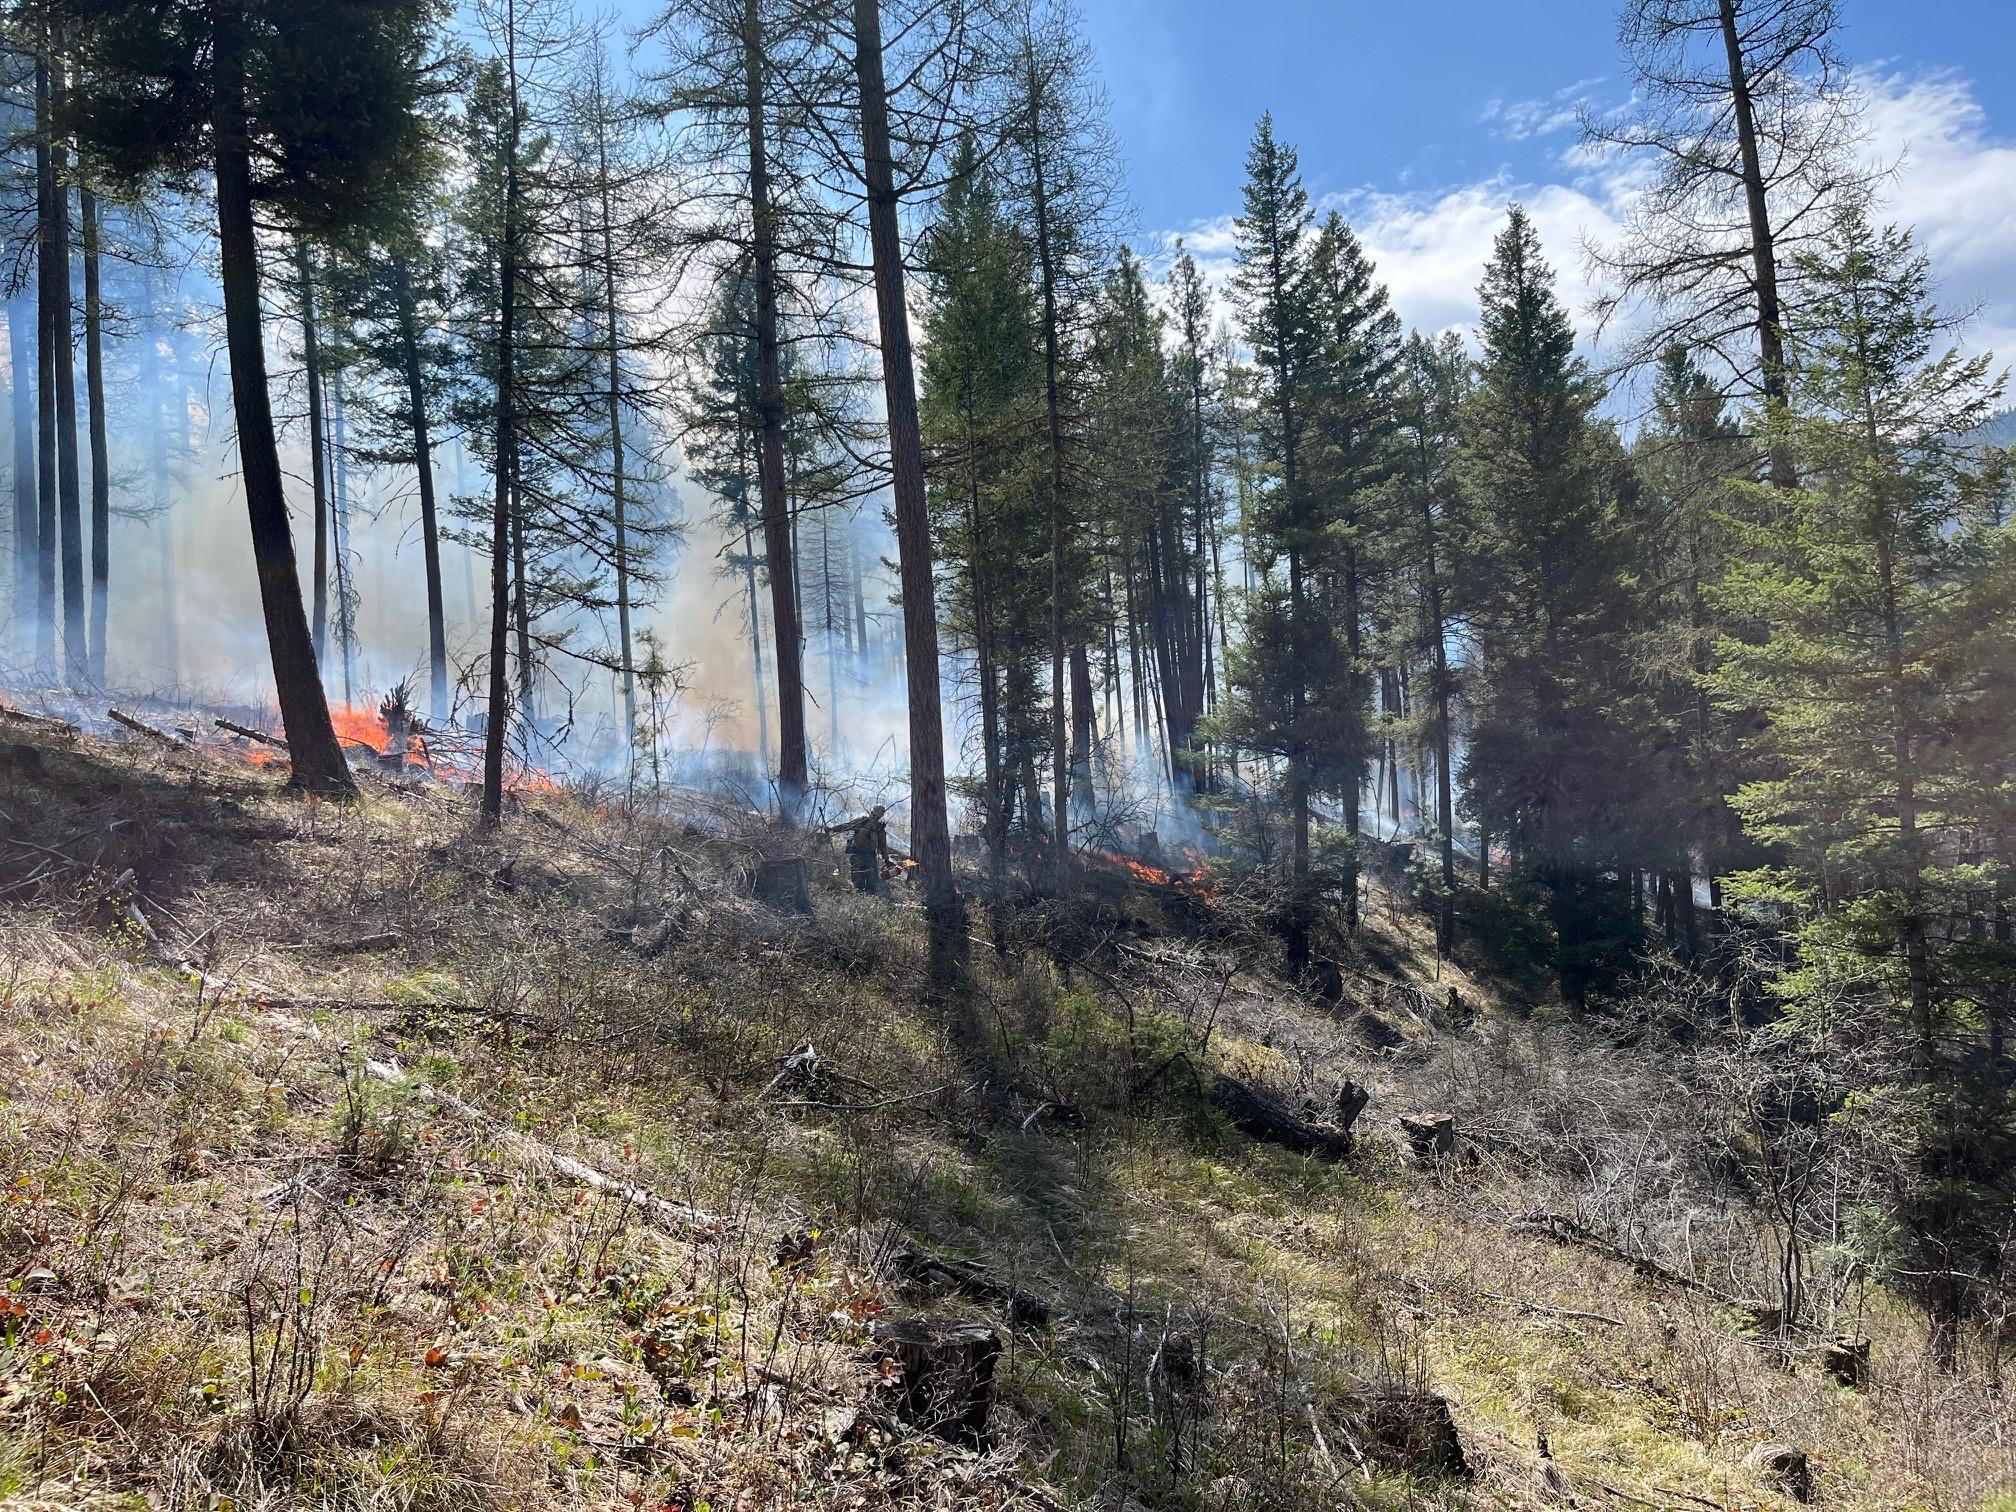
(1879,593)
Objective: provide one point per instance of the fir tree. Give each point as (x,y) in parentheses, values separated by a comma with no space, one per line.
(1882,591)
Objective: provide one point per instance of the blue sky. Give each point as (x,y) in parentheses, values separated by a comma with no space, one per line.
(1420,120)
(1395,96)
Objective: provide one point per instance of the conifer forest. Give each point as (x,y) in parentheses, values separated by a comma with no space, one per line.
(717,793)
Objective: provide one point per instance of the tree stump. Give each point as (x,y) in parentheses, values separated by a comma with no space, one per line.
(1783,1467)
(1410,1431)
(947,1374)
(1326,979)
(785,885)
(1845,1357)
(1431,1138)
(1351,1101)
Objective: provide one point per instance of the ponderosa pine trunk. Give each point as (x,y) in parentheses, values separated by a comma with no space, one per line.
(69,484)
(930,831)
(21,398)
(318,465)
(1441,691)
(157,464)
(618,462)
(101,479)
(1053,415)
(50,297)
(318,764)
(499,706)
(793,763)
(430,516)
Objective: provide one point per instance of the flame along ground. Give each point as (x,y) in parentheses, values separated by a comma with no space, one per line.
(447,756)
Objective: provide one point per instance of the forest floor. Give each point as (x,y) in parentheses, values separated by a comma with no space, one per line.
(352,1159)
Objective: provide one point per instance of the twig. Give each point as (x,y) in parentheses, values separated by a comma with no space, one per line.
(250,734)
(175,742)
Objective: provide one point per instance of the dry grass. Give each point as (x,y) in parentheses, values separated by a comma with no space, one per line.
(249,1267)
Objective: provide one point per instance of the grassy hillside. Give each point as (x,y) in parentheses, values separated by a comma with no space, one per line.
(352,1161)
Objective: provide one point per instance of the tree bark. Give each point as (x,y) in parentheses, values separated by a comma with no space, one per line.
(317,759)
(21,396)
(50,297)
(1763,242)
(618,472)
(101,480)
(793,767)
(492,811)
(1046,265)
(311,357)
(430,528)
(69,493)
(930,834)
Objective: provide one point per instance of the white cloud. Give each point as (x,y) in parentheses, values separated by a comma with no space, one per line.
(1519,120)
(1953,183)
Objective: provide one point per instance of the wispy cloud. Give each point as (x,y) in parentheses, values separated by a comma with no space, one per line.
(1951,182)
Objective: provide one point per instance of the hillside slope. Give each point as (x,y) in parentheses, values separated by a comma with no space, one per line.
(352,1160)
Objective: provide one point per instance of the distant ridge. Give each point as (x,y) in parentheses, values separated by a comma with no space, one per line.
(1999,431)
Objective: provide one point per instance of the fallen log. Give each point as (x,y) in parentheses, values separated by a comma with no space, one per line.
(141,727)
(926,1269)
(1564,1230)
(38,721)
(1265,1117)
(258,736)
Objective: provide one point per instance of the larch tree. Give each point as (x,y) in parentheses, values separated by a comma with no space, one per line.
(1742,106)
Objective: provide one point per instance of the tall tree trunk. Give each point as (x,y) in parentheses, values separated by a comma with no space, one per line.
(311,738)
(69,489)
(1053,412)
(51,297)
(1763,241)
(832,658)
(793,770)
(930,833)
(860,581)
(164,519)
(618,462)
(339,537)
(993,816)
(1438,658)
(1360,697)
(521,601)
(430,518)
(492,813)
(755,612)
(318,464)
(101,479)
(21,346)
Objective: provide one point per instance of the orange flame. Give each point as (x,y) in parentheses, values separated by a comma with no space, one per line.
(363,726)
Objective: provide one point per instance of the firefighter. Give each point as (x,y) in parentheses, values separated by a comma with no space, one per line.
(867,847)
